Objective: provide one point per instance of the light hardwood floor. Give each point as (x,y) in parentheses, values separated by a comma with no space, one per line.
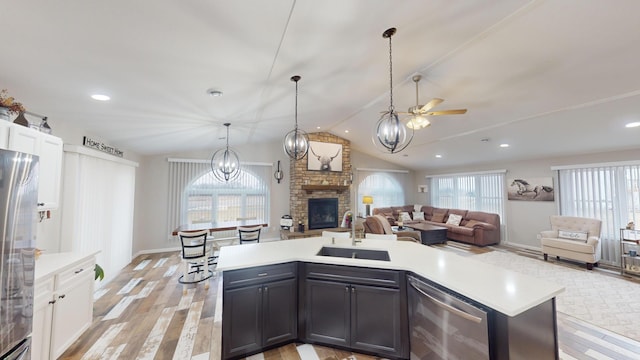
(143,314)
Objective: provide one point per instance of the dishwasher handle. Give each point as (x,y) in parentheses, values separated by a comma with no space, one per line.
(445,306)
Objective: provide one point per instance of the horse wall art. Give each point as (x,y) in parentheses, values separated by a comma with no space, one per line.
(537,189)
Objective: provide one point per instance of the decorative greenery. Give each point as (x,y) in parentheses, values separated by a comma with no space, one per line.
(99,272)
(10,103)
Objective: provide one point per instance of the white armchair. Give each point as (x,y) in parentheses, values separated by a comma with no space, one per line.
(574,238)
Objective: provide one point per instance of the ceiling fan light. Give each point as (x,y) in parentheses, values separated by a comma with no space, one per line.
(418,122)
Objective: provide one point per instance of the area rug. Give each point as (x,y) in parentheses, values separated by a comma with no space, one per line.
(605,301)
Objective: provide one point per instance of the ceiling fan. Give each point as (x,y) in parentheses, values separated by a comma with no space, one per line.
(419,112)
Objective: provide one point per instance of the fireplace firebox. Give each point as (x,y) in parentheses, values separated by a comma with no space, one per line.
(323,213)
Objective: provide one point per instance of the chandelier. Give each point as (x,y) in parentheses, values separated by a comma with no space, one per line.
(225,163)
(390,134)
(296,141)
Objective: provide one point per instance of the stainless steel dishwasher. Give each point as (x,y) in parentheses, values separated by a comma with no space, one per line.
(444,326)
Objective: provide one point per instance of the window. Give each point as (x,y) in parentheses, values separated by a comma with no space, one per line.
(196,196)
(385,186)
(476,192)
(609,193)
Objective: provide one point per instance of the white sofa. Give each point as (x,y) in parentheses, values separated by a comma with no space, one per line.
(574,238)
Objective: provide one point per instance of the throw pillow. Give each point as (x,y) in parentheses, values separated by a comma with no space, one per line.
(454,219)
(404,216)
(438,217)
(471,223)
(573,235)
(418,216)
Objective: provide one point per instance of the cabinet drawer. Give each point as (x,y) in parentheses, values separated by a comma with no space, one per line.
(353,275)
(74,273)
(259,275)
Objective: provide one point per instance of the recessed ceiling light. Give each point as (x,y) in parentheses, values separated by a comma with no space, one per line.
(100,97)
(633,124)
(504,145)
(318,127)
(214,92)
(346,131)
(438,156)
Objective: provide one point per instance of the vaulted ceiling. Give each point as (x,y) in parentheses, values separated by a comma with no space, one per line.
(549,78)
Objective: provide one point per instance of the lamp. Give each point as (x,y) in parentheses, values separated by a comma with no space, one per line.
(278,174)
(367,200)
(225,163)
(418,121)
(296,142)
(390,132)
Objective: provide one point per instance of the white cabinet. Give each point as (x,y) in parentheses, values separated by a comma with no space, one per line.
(49,149)
(4,134)
(50,152)
(63,303)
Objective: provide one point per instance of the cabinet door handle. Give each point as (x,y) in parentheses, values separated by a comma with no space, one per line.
(263,274)
(260,290)
(266,288)
(346,288)
(353,290)
(79,271)
(40,204)
(52,302)
(61,296)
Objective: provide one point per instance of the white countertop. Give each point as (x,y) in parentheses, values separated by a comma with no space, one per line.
(48,264)
(503,290)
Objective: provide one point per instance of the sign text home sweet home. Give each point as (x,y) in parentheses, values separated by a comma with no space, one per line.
(98,145)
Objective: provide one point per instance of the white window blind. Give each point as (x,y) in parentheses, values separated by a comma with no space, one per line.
(473,191)
(609,193)
(98,205)
(385,186)
(196,196)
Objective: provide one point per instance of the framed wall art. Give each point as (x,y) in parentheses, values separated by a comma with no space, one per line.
(532,189)
(324,156)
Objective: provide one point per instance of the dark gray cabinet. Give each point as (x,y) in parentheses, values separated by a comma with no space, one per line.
(356,308)
(259,309)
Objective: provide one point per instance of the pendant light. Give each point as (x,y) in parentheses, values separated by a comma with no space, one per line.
(296,142)
(390,134)
(225,163)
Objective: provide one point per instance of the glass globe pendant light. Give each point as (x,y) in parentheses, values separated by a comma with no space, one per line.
(225,163)
(296,141)
(390,134)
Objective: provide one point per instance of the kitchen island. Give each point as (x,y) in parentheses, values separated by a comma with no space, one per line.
(514,297)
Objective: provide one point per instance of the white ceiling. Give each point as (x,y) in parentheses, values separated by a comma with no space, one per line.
(548,77)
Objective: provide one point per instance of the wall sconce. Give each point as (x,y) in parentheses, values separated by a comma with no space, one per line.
(278,174)
(367,200)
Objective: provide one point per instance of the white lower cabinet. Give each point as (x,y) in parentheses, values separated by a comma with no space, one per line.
(63,307)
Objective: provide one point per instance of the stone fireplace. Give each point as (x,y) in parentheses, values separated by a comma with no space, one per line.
(309,184)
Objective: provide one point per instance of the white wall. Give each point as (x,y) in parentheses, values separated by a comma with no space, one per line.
(525,219)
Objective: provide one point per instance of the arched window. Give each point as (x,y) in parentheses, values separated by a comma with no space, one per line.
(386,188)
(196,196)
(207,199)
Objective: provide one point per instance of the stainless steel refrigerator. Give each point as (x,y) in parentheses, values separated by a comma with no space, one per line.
(18,207)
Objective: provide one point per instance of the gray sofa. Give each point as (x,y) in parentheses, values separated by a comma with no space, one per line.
(476,227)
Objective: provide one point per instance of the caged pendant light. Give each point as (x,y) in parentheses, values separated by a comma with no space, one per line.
(296,142)
(225,163)
(390,134)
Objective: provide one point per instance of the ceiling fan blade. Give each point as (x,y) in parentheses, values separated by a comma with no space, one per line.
(430,104)
(447,112)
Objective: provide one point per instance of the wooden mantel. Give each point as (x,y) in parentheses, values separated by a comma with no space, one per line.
(337,188)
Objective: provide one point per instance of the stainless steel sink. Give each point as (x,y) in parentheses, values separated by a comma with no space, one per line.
(352,253)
